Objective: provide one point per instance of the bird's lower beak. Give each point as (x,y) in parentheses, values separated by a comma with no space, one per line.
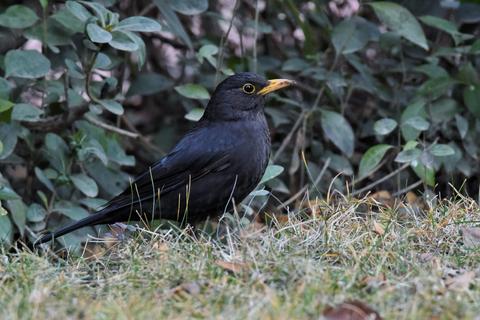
(275,84)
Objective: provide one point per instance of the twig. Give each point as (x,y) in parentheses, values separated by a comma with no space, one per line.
(305,187)
(147,9)
(222,41)
(388,176)
(108,127)
(142,139)
(408,188)
(257,11)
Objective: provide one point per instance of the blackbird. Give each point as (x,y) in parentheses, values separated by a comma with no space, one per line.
(218,163)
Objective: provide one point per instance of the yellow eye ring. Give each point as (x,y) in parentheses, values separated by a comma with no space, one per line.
(248,88)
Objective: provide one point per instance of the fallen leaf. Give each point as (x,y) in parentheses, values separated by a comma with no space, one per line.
(93,251)
(411,197)
(374,281)
(471,236)
(191,288)
(234,267)
(351,310)
(378,228)
(383,197)
(160,246)
(460,282)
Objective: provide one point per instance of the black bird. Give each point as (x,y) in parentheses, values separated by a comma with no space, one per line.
(216,164)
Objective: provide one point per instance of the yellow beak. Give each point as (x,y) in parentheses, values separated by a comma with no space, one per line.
(275,84)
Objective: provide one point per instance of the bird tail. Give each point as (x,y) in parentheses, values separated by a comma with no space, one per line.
(101,217)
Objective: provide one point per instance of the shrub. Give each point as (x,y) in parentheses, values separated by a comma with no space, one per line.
(388,95)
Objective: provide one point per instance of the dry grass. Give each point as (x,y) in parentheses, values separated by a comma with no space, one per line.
(414,262)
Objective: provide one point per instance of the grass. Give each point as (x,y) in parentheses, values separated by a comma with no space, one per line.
(406,262)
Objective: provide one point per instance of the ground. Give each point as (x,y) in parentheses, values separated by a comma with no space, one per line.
(419,261)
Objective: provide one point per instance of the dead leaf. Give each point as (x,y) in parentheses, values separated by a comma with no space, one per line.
(234,267)
(383,197)
(411,197)
(378,228)
(351,310)
(160,246)
(460,282)
(471,236)
(190,288)
(374,281)
(93,251)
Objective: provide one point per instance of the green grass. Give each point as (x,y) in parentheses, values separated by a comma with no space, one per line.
(289,270)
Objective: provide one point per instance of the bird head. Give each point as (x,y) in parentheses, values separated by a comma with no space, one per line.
(241,96)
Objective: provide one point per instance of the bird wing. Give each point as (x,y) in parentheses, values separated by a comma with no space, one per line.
(188,162)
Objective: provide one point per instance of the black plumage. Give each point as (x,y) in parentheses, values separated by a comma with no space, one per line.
(216,164)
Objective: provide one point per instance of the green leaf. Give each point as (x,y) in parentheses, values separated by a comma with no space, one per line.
(352,35)
(116,153)
(138,24)
(93,147)
(436,87)
(446,26)
(8,194)
(74,70)
(5,105)
(418,123)
(193,91)
(271,172)
(462,125)
(426,174)
(475,48)
(416,108)
(207,52)
(141,52)
(44,3)
(85,184)
(78,10)
(173,22)
(8,136)
(56,151)
(112,106)
(371,159)
(339,131)
(28,64)
(408,155)
(36,213)
(442,150)
(195,114)
(26,112)
(189,7)
(18,212)
(384,126)
(5,88)
(18,17)
(70,210)
(6,230)
(401,21)
(43,179)
(100,11)
(123,41)
(149,83)
(97,34)
(3,211)
(471,98)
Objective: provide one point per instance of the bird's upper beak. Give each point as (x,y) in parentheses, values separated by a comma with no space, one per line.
(274,85)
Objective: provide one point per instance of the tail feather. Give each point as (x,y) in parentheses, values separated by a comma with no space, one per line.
(101,217)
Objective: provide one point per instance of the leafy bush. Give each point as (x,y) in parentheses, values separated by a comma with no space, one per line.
(388,95)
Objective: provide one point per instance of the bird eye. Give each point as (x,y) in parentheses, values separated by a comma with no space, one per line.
(248,88)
